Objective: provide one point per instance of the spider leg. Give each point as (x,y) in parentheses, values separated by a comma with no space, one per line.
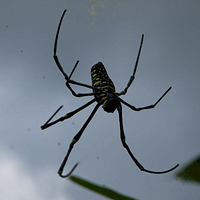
(67,116)
(135,68)
(55,47)
(122,135)
(80,84)
(74,140)
(145,107)
(67,78)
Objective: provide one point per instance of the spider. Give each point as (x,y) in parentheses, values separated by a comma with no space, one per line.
(105,95)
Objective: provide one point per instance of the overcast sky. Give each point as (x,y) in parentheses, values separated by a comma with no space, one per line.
(32,88)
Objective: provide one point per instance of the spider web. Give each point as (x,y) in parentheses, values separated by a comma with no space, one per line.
(97,8)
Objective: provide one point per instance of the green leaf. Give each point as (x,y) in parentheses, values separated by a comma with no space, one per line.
(99,189)
(191,172)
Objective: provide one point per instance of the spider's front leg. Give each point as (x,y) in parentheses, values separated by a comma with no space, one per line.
(67,78)
(123,139)
(134,71)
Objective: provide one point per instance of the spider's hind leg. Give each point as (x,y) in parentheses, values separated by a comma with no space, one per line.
(119,108)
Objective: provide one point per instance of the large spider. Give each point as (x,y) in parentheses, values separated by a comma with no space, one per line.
(105,95)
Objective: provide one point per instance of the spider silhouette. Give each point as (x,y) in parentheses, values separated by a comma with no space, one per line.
(104,95)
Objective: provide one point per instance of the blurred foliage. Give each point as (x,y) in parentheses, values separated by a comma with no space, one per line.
(99,189)
(191,172)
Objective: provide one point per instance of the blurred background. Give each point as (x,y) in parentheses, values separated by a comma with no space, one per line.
(32,88)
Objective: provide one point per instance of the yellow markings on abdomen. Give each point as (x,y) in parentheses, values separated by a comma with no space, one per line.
(93,75)
(97,83)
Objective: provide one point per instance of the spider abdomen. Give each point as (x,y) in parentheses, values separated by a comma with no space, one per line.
(100,76)
(106,88)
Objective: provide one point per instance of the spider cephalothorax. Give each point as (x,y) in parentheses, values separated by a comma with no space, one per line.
(105,95)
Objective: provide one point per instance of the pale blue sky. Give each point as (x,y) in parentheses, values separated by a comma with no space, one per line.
(32,88)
